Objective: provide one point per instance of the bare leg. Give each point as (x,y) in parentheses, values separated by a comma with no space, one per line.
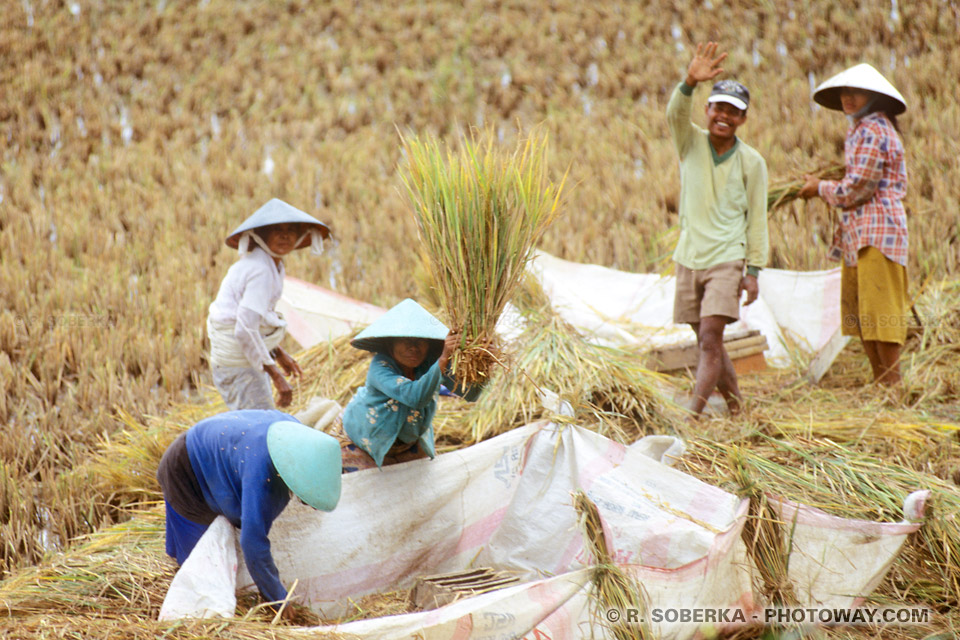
(714,370)
(870,348)
(889,356)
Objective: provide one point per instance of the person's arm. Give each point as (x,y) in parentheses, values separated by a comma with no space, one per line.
(259,503)
(862,176)
(704,66)
(678,117)
(415,394)
(247,333)
(758,240)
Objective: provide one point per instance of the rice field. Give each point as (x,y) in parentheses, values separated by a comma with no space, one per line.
(136,135)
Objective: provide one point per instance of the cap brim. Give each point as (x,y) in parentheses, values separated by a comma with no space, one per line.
(737,102)
(234,240)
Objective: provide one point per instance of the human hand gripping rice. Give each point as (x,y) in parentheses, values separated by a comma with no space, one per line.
(243,325)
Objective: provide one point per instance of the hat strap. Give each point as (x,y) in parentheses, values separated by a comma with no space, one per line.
(867,108)
(244,245)
(316,241)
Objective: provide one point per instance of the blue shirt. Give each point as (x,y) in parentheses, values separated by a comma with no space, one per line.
(391,407)
(228,453)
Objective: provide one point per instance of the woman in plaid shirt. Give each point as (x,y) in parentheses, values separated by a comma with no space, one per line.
(871,237)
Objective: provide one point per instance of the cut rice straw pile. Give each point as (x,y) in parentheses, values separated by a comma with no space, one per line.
(112,585)
(845,482)
(607,388)
(480,213)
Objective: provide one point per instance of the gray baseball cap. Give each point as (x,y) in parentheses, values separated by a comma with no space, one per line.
(732,92)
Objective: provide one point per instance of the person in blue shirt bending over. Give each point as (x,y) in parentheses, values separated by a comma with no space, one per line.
(244,465)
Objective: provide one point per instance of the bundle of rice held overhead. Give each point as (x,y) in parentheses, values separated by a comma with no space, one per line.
(480,212)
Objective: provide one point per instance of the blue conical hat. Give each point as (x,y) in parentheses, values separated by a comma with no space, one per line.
(308,461)
(277,212)
(405,320)
(861,76)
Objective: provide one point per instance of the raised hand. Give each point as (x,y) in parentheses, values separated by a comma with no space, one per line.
(705,64)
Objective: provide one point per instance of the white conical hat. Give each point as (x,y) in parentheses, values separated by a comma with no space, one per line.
(277,211)
(308,461)
(862,76)
(405,320)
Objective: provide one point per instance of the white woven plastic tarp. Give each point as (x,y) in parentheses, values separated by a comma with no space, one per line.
(619,308)
(315,314)
(610,307)
(506,503)
(206,584)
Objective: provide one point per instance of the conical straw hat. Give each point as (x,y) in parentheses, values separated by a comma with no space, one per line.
(277,212)
(862,76)
(309,461)
(405,320)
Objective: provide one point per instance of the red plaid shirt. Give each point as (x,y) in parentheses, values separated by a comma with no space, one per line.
(871,193)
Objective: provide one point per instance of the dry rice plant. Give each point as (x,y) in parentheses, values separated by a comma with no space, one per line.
(845,482)
(613,588)
(784,192)
(607,388)
(480,212)
(112,585)
(137,134)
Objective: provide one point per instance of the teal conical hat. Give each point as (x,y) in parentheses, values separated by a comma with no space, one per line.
(861,76)
(308,461)
(405,320)
(277,212)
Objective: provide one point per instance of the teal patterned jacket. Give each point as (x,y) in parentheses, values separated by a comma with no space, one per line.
(391,407)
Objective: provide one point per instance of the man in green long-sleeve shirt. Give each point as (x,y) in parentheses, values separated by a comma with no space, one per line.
(723,220)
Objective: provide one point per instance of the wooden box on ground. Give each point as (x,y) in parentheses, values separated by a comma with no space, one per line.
(431,592)
(744,347)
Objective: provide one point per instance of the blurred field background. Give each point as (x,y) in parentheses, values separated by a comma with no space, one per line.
(136,135)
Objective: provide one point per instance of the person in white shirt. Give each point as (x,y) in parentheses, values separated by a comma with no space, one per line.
(243,325)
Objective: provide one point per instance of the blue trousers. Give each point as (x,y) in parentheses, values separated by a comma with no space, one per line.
(182,534)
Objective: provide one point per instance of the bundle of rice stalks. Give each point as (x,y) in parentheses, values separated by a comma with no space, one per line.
(606,388)
(480,212)
(851,484)
(613,588)
(786,191)
(766,543)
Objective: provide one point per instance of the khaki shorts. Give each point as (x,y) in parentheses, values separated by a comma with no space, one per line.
(708,292)
(873,298)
